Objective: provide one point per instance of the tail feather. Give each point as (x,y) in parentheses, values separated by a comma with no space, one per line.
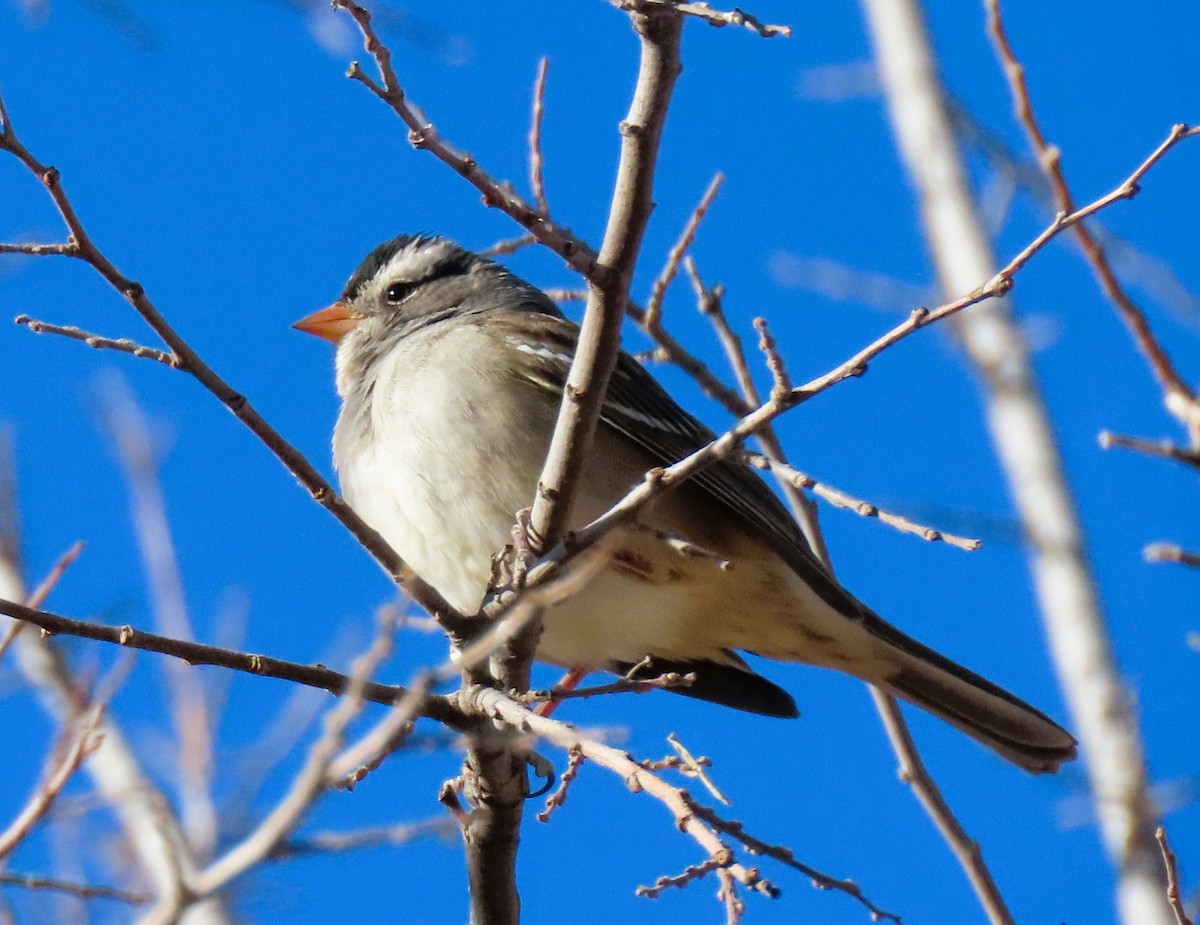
(1003,722)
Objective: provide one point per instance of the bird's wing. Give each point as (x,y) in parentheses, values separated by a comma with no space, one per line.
(641,410)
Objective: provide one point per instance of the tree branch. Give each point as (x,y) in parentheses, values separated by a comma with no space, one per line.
(1180,399)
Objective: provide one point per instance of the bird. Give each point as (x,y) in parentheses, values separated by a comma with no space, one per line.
(451,369)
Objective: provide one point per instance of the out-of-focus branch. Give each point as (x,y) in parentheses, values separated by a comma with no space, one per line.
(78,890)
(1024,440)
(1169,552)
(42,591)
(1180,400)
(1164,449)
(81,746)
(146,819)
(126,424)
(339,842)
(310,782)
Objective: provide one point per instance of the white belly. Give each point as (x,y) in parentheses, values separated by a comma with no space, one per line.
(441,466)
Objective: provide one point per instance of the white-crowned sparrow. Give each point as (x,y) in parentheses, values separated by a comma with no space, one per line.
(451,371)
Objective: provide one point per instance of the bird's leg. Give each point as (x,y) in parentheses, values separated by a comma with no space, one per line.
(568,682)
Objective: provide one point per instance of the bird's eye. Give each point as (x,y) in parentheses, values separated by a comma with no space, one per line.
(398,292)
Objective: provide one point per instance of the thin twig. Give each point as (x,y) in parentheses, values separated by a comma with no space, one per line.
(508,246)
(914,773)
(1170,863)
(99,342)
(83,743)
(638,779)
(691,766)
(340,842)
(559,796)
(841,499)
(310,782)
(78,890)
(1180,399)
(536,181)
(786,856)
(670,681)
(1169,552)
(690,874)
(659,289)
(567,295)
(766,343)
(718,18)
(41,592)
(1164,449)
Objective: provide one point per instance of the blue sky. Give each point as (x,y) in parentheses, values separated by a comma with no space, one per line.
(218,155)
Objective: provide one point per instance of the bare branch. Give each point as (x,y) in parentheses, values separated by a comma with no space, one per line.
(126,424)
(509,246)
(1171,867)
(690,817)
(1164,449)
(766,343)
(690,874)
(391,835)
(1180,399)
(713,17)
(41,250)
(567,295)
(78,890)
(672,680)
(691,766)
(82,744)
(841,499)
(41,592)
(99,342)
(659,289)
(559,796)
(914,773)
(536,181)
(600,336)
(1169,552)
(311,781)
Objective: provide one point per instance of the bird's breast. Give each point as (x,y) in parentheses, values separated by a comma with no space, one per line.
(439,457)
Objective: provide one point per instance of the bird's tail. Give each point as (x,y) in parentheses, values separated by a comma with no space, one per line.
(986,712)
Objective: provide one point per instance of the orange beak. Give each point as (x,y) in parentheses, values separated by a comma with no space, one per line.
(332,323)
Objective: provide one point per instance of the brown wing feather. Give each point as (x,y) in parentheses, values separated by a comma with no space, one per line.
(642,411)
